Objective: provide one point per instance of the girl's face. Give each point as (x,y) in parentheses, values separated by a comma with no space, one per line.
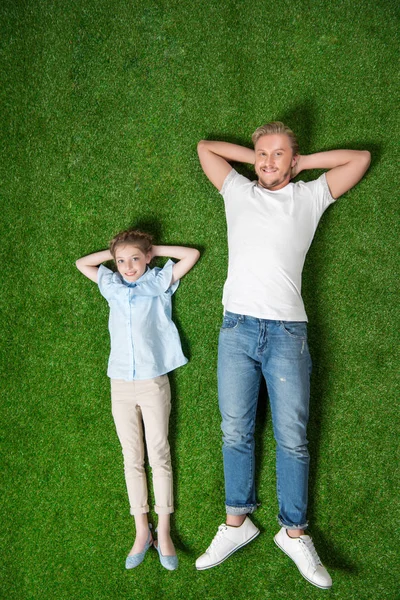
(131,262)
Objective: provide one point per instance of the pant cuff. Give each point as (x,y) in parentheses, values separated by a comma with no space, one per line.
(163,510)
(286,526)
(240,510)
(140,510)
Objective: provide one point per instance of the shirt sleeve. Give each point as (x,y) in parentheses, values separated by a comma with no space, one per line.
(106,281)
(235,187)
(320,194)
(323,194)
(325,185)
(156,282)
(229,179)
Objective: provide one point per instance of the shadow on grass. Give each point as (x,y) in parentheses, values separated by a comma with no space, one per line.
(331,555)
(150,224)
(301,119)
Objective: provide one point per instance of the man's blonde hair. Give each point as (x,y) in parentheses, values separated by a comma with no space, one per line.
(273,128)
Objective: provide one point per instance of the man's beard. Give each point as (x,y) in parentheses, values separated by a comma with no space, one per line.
(271,185)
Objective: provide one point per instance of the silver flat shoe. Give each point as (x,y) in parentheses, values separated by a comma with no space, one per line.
(168,562)
(134,560)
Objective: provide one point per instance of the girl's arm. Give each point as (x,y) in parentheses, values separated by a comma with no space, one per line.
(89,265)
(346,167)
(187,258)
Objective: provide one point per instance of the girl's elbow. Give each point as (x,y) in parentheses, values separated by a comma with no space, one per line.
(203,148)
(366,157)
(80,265)
(200,147)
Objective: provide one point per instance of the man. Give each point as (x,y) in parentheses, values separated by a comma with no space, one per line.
(271,224)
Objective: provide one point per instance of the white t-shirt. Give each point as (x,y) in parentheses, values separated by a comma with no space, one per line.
(269,234)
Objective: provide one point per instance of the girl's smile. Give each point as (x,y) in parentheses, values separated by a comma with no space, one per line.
(131,262)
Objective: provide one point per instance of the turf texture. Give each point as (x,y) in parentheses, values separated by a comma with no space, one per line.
(102,105)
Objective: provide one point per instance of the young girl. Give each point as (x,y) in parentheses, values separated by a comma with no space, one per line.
(145,346)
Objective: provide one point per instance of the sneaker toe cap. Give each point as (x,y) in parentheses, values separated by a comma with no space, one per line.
(322,577)
(203,561)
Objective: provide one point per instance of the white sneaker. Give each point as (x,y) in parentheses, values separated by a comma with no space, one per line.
(302,551)
(227,540)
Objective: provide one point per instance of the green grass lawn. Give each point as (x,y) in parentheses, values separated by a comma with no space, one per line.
(102,105)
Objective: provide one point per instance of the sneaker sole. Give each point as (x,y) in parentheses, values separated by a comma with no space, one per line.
(321,587)
(230,554)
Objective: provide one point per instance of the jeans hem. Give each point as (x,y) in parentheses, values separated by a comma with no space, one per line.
(286,526)
(240,510)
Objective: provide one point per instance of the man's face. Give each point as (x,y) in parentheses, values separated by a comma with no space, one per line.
(274,160)
(131,262)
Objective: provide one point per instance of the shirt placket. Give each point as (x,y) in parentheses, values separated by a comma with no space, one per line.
(130,331)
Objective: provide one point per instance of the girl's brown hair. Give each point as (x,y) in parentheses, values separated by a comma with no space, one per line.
(133,237)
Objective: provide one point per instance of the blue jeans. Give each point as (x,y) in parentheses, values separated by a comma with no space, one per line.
(248,349)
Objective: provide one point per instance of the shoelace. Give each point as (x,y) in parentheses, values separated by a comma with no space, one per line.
(311,552)
(218,537)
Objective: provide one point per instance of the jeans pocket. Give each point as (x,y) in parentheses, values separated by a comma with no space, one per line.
(230,321)
(294,329)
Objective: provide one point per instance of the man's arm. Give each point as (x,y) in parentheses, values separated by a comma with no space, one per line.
(346,167)
(187,258)
(89,265)
(215,157)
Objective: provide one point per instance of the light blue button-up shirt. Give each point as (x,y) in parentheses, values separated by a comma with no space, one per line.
(144,340)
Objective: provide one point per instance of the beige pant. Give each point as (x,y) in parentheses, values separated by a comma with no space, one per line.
(148,403)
